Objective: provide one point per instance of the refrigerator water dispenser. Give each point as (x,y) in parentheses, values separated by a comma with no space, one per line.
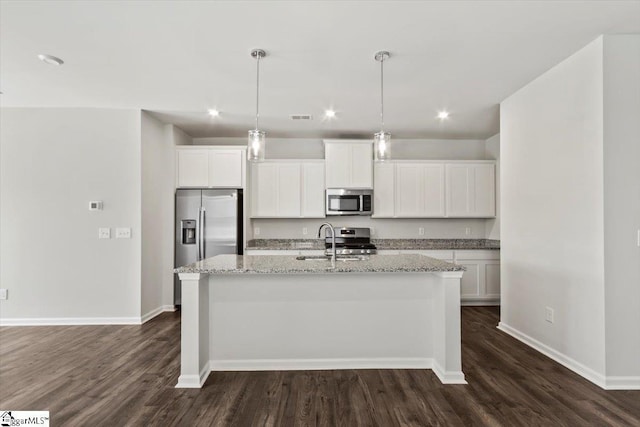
(188,231)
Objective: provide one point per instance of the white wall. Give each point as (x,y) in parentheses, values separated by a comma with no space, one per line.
(493,153)
(622,203)
(178,136)
(552,237)
(158,184)
(381,228)
(53,162)
(403,149)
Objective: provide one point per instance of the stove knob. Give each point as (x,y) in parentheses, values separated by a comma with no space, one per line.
(350,251)
(368,251)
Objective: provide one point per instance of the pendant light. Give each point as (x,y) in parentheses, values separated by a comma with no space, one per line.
(257,138)
(382,139)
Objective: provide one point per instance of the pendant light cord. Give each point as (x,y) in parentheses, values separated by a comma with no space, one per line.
(257,87)
(382,94)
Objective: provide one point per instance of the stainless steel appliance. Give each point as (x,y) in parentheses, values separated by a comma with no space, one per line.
(341,201)
(208,223)
(350,241)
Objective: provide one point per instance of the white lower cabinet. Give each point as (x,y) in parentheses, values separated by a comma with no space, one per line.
(480,284)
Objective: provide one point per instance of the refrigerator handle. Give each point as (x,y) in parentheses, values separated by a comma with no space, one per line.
(201,253)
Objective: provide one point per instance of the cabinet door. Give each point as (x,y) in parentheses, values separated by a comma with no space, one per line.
(361,165)
(288,197)
(225,168)
(192,168)
(338,165)
(484,190)
(313,190)
(458,190)
(470,282)
(264,189)
(492,280)
(471,190)
(409,190)
(384,191)
(433,181)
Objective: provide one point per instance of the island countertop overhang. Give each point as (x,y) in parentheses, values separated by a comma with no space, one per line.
(284,264)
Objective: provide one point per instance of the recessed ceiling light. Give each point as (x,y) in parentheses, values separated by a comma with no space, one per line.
(329,114)
(50,59)
(443,114)
(213,112)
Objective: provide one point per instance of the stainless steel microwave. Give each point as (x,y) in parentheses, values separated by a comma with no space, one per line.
(342,201)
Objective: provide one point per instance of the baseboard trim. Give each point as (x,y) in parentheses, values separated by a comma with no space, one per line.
(194,381)
(86,321)
(70,321)
(479,303)
(320,364)
(448,377)
(622,383)
(561,358)
(156,311)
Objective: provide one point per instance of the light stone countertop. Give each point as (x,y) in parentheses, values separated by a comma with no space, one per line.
(283,264)
(381,244)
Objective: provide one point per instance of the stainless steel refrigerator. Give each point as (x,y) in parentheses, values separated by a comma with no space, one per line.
(208,223)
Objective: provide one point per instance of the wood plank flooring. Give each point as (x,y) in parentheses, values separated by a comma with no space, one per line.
(125,375)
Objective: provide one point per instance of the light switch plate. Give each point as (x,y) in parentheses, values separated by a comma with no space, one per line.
(123,233)
(104,233)
(4,294)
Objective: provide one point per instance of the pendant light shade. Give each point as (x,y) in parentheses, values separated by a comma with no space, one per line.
(256,146)
(382,139)
(257,138)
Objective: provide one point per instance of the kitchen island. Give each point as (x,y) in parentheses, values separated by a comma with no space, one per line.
(282,313)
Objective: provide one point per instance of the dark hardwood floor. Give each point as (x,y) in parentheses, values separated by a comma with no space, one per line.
(125,375)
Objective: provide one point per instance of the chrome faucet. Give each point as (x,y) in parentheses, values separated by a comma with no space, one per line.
(333,241)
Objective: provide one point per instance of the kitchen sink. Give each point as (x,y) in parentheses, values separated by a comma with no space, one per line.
(328,258)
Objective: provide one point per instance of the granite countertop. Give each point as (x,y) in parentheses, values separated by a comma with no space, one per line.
(282,264)
(381,244)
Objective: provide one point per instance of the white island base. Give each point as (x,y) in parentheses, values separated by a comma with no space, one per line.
(337,320)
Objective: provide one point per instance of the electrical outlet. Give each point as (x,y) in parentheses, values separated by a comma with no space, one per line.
(256,231)
(304,231)
(104,233)
(4,294)
(421,231)
(123,233)
(467,231)
(548,314)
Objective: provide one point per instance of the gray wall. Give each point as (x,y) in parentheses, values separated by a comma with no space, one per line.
(158,184)
(622,203)
(53,162)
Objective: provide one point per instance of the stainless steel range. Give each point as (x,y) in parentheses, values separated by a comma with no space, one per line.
(350,241)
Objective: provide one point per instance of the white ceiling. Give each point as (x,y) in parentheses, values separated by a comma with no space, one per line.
(181,58)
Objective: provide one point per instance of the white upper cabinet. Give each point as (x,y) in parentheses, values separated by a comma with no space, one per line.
(434,189)
(192,168)
(384,190)
(225,168)
(471,189)
(211,167)
(420,190)
(348,164)
(313,190)
(287,189)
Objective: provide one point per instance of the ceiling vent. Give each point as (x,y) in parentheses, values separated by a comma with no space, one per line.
(301,117)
